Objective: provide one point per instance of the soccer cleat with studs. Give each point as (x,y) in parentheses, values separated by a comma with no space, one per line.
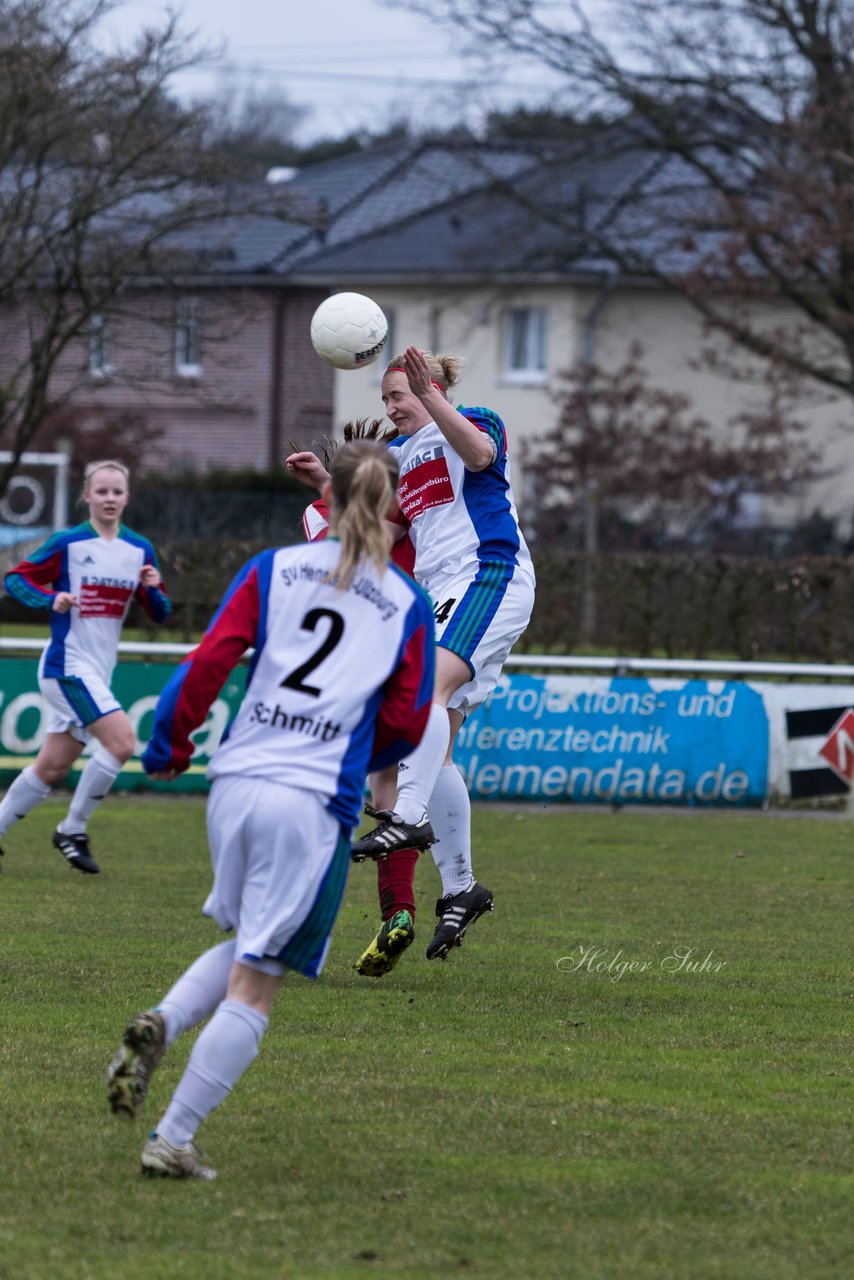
(143,1045)
(391,835)
(455,915)
(160,1159)
(76,851)
(397,933)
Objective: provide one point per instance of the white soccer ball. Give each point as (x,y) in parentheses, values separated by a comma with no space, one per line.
(348,330)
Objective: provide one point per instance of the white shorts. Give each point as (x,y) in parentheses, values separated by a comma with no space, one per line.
(280,862)
(479,617)
(76,702)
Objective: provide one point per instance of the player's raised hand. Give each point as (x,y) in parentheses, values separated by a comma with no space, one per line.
(149,576)
(417,372)
(308,468)
(63,601)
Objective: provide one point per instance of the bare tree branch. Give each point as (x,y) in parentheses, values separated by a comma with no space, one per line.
(738,117)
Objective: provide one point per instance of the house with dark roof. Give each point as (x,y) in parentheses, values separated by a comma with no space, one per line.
(486,252)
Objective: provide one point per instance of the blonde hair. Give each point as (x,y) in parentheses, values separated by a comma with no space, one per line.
(364,478)
(102,464)
(445,370)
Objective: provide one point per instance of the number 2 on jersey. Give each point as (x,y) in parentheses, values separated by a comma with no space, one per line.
(333,637)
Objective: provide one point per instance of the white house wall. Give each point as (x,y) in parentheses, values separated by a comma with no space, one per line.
(467,322)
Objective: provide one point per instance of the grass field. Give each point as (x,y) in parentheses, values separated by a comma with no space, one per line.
(514,1112)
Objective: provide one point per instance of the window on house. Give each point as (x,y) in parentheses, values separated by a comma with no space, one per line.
(389,349)
(98,364)
(188,338)
(525,343)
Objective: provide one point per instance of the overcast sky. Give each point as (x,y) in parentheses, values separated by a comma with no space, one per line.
(356,63)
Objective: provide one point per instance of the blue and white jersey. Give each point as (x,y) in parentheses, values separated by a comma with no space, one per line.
(459,519)
(104,576)
(340,683)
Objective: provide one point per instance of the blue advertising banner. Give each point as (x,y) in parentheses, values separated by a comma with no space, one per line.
(562,739)
(617,741)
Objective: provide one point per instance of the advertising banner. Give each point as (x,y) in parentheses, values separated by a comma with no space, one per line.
(617,740)
(24,717)
(559,739)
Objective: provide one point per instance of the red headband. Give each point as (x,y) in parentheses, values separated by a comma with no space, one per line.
(397,368)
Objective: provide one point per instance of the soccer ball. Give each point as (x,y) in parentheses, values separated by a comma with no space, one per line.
(348,330)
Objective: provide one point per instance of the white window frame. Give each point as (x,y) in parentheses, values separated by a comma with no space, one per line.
(524,345)
(188,337)
(98,364)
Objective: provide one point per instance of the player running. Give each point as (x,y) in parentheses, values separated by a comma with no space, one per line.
(288,780)
(87,577)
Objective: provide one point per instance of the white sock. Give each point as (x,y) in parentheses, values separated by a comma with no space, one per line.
(449,812)
(95,781)
(198,991)
(417,780)
(24,794)
(223,1051)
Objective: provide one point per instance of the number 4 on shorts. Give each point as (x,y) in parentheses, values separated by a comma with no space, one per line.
(442,611)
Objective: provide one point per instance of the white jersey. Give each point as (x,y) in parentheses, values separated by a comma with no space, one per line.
(459,519)
(104,576)
(340,681)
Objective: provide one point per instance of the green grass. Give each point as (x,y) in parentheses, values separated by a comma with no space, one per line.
(499,1115)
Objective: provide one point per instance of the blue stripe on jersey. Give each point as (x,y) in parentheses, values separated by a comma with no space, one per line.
(237,581)
(19,589)
(470,619)
(79,699)
(488,506)
(488,421)
(157,605)
(346,804)
(263,563)
(54,654)
(307,948)
(157,755)
(138,540)
(59,541)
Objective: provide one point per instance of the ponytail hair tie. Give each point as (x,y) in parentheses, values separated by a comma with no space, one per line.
(398,368)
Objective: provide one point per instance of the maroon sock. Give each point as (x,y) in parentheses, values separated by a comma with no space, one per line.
(396,882)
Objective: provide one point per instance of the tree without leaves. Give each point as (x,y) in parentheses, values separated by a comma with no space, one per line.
(736,120)
(607,445)
(256,129)
(104,181)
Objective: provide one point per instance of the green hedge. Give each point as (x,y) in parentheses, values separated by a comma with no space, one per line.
(676,606)
(682,606)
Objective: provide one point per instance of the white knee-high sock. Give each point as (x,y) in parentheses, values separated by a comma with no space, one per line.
(449,812)
(223,1051)
(24,794)
(418,772)
(198,991)
(95,781)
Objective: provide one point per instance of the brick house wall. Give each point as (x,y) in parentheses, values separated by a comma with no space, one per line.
(257,384)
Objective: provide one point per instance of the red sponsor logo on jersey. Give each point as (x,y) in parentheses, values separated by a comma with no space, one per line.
(427,485)
(98,601)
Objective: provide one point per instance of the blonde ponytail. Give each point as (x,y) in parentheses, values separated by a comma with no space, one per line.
(364,479)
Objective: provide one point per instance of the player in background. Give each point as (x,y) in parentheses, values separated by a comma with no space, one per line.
(457,507)
(87,577)
(287,781)
(395,873)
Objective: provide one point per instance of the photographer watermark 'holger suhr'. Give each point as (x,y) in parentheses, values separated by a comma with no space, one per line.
(615,965)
